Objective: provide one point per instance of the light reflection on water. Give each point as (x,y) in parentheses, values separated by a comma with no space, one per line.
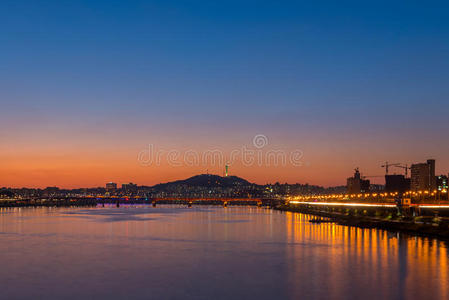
(171,252)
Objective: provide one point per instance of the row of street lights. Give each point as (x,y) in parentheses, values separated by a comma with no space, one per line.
(412,194)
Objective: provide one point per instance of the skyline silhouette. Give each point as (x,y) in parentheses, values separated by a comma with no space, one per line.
(85,87)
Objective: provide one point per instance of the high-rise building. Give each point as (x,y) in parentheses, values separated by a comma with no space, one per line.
(129,187)
(442,183)
(396,183)
(356,184)
(423,176)
(111,186)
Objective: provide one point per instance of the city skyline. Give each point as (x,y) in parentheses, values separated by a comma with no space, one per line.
(87,86)
(407,172)
(147,175)
(223,150)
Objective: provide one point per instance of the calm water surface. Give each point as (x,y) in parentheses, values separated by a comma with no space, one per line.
(169,252)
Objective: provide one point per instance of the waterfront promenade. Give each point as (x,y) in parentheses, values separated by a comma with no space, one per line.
(422,219)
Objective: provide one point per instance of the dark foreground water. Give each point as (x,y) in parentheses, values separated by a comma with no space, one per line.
(167,252)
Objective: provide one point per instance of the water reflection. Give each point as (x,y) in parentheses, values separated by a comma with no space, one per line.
(367,262)
(172,252)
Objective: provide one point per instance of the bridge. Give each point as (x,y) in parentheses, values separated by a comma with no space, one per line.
(191,201)
(120,200)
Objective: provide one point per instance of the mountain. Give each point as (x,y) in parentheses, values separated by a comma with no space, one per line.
(207,180)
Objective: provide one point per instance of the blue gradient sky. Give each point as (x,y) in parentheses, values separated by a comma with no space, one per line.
(85,85)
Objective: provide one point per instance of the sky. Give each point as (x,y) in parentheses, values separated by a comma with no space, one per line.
(87,88)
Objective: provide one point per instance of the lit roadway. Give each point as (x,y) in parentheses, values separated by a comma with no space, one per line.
(359,204)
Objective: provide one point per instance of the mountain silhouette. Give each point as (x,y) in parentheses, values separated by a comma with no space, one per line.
(207,180)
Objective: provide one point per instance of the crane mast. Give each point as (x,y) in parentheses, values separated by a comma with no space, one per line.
(387,165)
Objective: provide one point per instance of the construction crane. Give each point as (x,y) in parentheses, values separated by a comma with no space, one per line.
(387,165)
(405,167)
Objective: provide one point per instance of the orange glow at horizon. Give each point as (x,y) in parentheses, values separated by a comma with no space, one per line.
(91,162)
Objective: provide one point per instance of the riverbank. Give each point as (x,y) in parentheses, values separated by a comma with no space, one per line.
(386,218)
(47,203)
(5,203)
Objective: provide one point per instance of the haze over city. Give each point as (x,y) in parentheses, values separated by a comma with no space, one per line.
(85,87)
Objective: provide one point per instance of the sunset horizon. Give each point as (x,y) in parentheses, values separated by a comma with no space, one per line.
(221,150)
(96,84)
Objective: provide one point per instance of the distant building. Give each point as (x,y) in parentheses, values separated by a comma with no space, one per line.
(442,183)
(396,183)
(423,176)
(111,186)
(357,185)
(129,187)
(50,191)
(377,188)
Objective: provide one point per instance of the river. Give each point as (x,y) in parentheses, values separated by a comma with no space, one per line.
(209,252)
